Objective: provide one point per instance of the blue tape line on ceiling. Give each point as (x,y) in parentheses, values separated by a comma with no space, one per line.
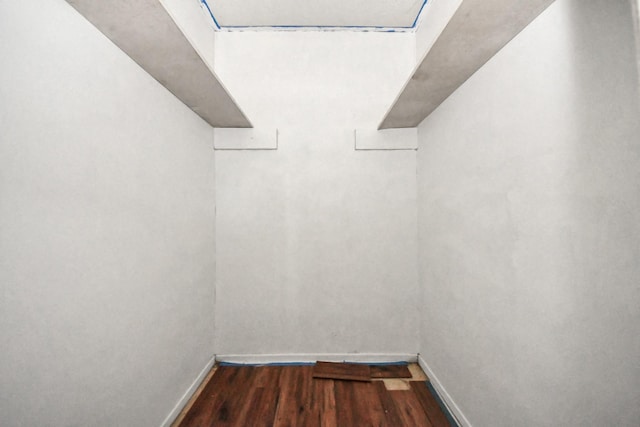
(415,21)
(215,21)
(388,29)
(360,27)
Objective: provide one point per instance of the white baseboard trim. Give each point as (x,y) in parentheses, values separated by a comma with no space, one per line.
(444,396)
(258,359)
(187,394)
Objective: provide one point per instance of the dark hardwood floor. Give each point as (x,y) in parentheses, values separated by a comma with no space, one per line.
(289,396)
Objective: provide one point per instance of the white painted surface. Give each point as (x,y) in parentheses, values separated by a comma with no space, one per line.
(529,213)
(316,242)
(149,34)
(316,248)
(106,231)
(477,30)
(259,359)
(333,13)
(195,23)
(245,139)
(320,79)
(389,139)
(434,17)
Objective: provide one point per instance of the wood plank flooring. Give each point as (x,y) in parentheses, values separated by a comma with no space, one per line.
(342,371)
(390,371)
(289,396)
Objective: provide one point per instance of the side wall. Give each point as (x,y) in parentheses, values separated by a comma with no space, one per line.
(529,218)
(106,229)
(317,241)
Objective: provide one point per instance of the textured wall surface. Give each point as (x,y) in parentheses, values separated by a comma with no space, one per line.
(529,217)
(316,242)
(106,229)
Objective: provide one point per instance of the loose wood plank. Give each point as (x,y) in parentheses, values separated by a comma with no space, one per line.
(390,371)
(342,371)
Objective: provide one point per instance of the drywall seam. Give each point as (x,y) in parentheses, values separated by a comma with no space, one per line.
(189,393)
(313,357)
(363,28)
(453,408)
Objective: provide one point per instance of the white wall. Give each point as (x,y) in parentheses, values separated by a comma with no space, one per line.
(308,79)
(316,242)
(529,217)
(106,230)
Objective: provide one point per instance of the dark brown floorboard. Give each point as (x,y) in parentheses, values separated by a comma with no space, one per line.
(409,408)
(283,396)
(342,371)
(430,405)
(390,371)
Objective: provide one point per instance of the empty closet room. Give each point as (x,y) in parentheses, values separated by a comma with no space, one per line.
(452,182)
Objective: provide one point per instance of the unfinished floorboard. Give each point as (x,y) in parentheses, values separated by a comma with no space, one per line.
(342,371)
(417,374)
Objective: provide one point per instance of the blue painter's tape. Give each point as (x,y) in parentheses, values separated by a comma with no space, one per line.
(360,27)
(415,22)
(215,21)
(320,27)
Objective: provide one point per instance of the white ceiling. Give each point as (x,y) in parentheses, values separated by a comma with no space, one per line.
(315,13)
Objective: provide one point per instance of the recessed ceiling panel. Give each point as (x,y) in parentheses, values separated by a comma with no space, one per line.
(316,13)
